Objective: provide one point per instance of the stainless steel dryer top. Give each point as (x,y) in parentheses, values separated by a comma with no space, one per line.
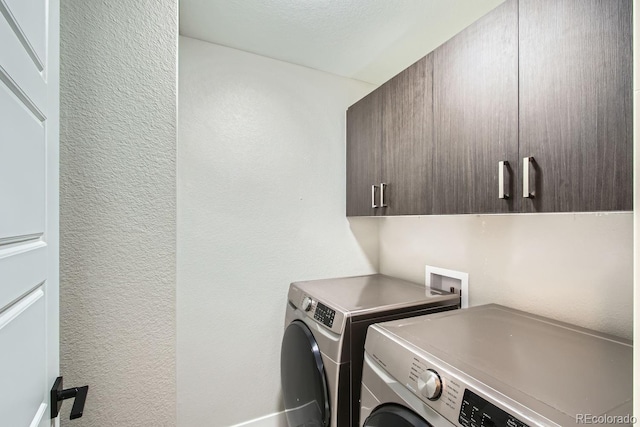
(362,295)
(544,370)
(336,302)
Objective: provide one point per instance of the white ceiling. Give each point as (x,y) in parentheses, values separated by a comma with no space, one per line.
(368,40)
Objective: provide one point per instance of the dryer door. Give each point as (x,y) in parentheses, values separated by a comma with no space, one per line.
(392,415)
(304,384)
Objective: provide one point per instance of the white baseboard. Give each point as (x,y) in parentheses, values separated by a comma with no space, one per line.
(274,420)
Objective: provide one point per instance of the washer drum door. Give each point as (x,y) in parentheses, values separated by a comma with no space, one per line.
(392,415)
(304,384)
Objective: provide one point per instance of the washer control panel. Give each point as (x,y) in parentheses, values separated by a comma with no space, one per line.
(452,394)
(324,315)
(438,388)
(477,412)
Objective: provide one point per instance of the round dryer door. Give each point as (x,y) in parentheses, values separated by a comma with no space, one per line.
(392,415)
(304,384)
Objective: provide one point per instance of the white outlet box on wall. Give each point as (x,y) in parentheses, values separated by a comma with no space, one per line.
(448,280)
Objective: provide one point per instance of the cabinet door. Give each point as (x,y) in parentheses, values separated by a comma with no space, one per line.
(475,93)
(576,103)
(364,134)
(407,139)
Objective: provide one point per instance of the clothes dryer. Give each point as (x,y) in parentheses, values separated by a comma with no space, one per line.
(323,345)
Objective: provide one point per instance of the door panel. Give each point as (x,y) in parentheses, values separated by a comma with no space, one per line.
(407,139)
(22,169)
(22,268)
(23,362)
(30,16)
(20,73)
(364,135)
(576,103)
(476,115)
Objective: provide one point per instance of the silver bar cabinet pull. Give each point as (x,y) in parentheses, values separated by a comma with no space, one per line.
(373,196)
(527,193)
(382,203)
(502,193)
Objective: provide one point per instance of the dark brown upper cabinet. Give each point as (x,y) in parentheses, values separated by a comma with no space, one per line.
(475,107)
(389,135)
(575,108)
(364,137)
(407,129)
(527,110)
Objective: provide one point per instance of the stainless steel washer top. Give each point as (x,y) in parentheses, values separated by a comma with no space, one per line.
(521,368)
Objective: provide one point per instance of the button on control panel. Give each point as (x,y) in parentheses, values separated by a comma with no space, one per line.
(477,412)
(324,315)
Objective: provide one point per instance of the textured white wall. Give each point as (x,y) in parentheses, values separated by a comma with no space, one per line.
(118,204)
(574,267)
(261,203)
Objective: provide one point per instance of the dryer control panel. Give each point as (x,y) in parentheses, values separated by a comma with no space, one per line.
(332,319)
(324,315)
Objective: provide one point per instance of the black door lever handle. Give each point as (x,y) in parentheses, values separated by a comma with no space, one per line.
(58,395)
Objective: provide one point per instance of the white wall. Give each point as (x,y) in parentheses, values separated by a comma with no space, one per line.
(574,267)
(636,201)
(118,210)
(261,203)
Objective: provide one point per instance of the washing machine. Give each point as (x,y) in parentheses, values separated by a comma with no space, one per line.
(323,345)
(494,366)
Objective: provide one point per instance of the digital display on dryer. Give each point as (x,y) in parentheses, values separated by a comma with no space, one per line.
(477,412)
(324,315)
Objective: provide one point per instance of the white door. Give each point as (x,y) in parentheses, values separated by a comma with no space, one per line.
(29,128)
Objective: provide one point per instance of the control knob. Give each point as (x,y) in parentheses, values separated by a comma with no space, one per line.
(430,384)
(307,302)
